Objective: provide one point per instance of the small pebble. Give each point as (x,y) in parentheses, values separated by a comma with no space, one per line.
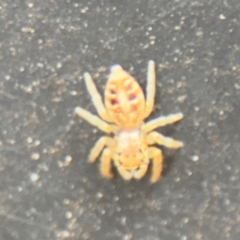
(73,93)
(30,5)
(163,222)
(21,69)
(7,77)
(99,195)
(195,158)
(222,17)
(63,234)
(103,211)
(66,201)
(123,220)
(59,65)
(68,215)
(116,198)
(68,159)
(37,142)
(35,156)
(34,177)
(40,65)
(188,172)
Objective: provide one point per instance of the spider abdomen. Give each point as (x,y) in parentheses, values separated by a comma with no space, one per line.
(124,99)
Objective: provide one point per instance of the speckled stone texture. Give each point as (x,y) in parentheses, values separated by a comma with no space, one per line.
(48,190)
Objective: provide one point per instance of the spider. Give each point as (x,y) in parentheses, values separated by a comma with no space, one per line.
(122,115)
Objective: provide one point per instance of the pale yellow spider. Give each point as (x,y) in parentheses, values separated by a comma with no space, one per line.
(125,109)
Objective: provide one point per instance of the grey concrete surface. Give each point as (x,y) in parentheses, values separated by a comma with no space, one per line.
(47,188)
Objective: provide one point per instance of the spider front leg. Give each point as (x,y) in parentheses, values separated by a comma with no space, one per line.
(105,166)
(161,121)
(151,88)
(96,98)
(157,157)
(155,137)
(98,147)
(141,172)
(126,175)
(94,120)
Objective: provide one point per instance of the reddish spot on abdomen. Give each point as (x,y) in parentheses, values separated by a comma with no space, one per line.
(114,101)
(132,97)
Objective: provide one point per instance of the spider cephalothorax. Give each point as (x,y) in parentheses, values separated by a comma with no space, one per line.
(123,114)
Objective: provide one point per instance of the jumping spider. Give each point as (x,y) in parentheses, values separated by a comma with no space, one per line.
(123,114)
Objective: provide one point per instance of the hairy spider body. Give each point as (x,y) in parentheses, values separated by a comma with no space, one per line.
(123,114)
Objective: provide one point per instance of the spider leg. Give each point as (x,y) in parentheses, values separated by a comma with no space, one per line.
(156,155)
(94,120)
(151,88)
(96,98)
(126,175)
(141,172)
(105,166)
(155,137)
(161,121)
(98,147)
